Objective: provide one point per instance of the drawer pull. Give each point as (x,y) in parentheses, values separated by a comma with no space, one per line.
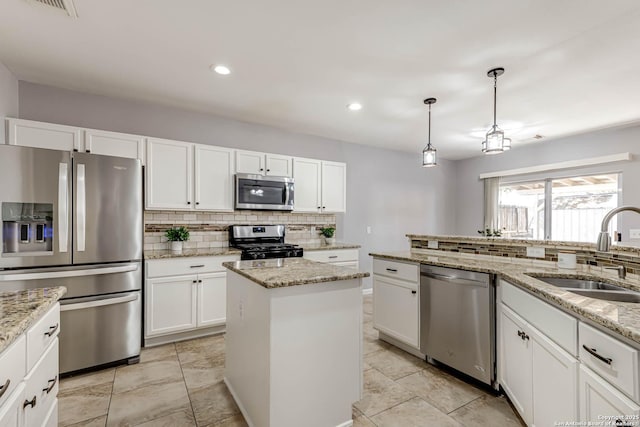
(31,403)
(333,256)
(594,353)
(392,270)
(197,266)
(413,292)
(4,388)
(52,330)
(52,384)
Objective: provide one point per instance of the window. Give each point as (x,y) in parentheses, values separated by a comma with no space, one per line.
(568,209)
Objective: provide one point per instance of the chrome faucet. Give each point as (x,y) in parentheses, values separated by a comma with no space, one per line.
(622,271)
(604,240)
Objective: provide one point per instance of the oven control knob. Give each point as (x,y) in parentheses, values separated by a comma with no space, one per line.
(289,254)
(261,256)
(253,256)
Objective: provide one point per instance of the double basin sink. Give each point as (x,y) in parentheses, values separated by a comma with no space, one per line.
(592,288)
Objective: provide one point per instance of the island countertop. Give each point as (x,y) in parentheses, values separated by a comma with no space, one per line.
(282,272)
(20,309)
(620,317)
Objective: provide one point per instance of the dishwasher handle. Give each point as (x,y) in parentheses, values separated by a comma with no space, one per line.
(455,279)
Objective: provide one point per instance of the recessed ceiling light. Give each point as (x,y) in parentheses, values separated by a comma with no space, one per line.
(221,69)
(354,106)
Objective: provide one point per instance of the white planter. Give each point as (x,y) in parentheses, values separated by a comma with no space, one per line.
(176,247)
(329,240)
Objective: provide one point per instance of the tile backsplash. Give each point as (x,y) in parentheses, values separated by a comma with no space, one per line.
(210,229)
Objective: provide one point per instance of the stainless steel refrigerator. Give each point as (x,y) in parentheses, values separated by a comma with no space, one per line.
(75,220)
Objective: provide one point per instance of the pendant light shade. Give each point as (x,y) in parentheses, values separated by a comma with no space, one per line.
(429,154)
(495,141)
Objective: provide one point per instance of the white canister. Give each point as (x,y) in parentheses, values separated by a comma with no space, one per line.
(567,260)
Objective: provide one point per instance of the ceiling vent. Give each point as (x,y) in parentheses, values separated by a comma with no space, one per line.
(65,5)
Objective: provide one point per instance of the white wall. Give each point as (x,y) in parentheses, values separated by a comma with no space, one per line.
(469,189)
(8,97)
(387,190)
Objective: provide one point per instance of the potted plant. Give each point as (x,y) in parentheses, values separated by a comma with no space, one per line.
(176,236)
(328,232)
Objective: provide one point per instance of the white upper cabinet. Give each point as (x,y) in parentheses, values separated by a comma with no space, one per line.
(186,176)
(320,186)
(28,133)
(169,174)
(213,178)
(114,144)
(257,163)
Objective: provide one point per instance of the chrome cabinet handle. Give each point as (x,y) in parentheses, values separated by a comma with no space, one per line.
(5,387)
(52,384)
(31,403)
(197,266)
(594,353)
(52,330)
(392,270)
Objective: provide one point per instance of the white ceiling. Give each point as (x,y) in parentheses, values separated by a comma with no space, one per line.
(571,65)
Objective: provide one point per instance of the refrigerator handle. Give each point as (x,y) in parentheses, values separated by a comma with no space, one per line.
(9,276)
(63,207)
(81,212)
(99,303)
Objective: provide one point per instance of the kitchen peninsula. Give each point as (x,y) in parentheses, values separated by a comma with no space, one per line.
(294,341)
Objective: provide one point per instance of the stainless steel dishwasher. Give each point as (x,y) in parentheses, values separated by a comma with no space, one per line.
(457,320)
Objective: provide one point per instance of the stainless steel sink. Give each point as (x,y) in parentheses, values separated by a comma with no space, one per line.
(592,289)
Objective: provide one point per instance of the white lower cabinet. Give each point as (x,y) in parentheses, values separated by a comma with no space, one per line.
(185,296)
(28,395)
(395,309)
(600,401)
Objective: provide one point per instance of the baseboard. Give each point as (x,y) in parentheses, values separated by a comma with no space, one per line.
(402,346)
(183,336)
(346,424)
(367,291)
(239,403)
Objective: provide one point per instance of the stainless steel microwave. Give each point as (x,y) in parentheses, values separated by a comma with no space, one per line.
(259,192)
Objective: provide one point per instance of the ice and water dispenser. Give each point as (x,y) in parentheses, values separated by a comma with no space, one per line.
(27,228)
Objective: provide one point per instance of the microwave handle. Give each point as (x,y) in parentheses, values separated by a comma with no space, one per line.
(287,194)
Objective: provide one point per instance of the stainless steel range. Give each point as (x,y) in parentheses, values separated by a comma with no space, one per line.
(261,242)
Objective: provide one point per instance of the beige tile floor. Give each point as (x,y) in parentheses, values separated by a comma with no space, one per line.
(181,385)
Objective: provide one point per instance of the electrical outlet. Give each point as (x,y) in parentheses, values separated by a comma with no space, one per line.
(432,244)
(535,252)
(368,229)
(634,233)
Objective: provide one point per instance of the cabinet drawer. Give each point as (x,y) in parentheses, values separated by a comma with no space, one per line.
(12,368)
(399,270)
(558,326)
(42,334)
(187,265)
(338,255)
(41,388)
(613,360)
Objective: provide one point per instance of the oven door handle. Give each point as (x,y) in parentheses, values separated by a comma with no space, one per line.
(68,273)
(99,303)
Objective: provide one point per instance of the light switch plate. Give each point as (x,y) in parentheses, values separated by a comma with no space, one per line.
(535,252)
(634,233)
(432,244)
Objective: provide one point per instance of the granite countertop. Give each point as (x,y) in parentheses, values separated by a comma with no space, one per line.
(20,309)
(166,253)
(324,246)
(282,272)
(620,317)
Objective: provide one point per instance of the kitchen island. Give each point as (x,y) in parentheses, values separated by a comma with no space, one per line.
(294,341)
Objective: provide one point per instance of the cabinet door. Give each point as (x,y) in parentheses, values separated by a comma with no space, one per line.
(169,174)
(170,304)
(213,178)
(212,299)
(334,187)
(555,382)
(44,135)
(515,366)
(600,400)
(114,144)
(307,176)
(250,162)
(395,309)
(11,409)
(279,165)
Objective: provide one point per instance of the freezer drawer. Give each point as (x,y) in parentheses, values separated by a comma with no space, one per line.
(98,330)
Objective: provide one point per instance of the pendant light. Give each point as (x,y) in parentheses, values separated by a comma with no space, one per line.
(495,142)
(429,157)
